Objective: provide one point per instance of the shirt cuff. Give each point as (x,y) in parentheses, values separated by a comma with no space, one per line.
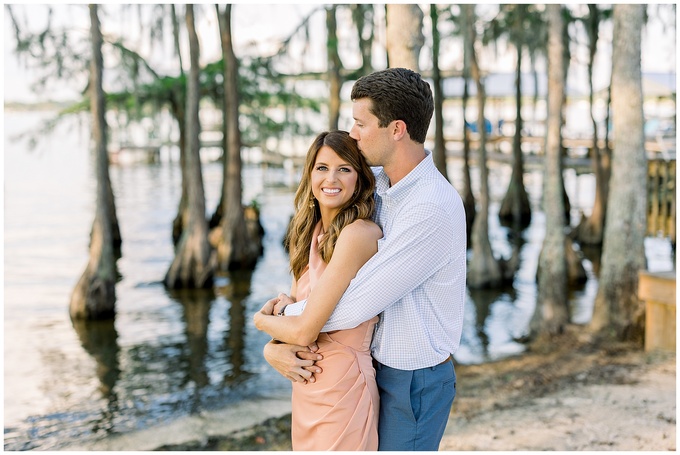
(295,309)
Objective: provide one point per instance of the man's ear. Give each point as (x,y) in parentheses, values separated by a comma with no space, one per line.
(399,131)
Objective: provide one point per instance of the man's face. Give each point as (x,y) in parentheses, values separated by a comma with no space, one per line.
(374,142)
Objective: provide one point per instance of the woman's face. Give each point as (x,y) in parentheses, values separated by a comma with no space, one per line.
(333,182)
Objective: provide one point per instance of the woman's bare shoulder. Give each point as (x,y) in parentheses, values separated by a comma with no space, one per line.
(362,229)
(357,242)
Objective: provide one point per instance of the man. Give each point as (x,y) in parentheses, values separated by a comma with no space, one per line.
(416,281)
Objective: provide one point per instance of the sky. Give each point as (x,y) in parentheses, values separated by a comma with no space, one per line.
(251,23)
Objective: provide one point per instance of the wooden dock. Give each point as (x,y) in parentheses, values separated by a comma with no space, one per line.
(657,291)
(661,197)
(661,175)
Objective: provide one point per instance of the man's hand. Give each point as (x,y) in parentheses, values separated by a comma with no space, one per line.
(296,363)
(271,308)
(276,305)
(283,301)
(268,308)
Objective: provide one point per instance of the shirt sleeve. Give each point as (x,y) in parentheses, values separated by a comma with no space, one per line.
(295,309)
(418,245)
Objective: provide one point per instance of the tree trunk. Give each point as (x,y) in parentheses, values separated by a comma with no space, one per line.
(590,229)
(404,35)
(182,216)
(484,270)
(606,151)
(334,66)
(566,59)
(240,243)
(178,105)
(175,37)
(439,142)
(116,238)
(94,296)
(534,99)
(467,195)
(193,265)
(551,314)
(360,13)
(515,207)
(617,308)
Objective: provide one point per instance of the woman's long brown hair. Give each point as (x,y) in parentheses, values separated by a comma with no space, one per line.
(360,206)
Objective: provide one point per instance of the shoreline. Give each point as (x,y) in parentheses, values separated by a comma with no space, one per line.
(570,395)
(194,430)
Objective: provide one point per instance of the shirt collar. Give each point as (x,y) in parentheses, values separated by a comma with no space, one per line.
(404,185)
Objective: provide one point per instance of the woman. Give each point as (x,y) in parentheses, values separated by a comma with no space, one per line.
(330,238)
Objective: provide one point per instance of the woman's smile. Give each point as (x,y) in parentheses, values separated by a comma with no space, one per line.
(333,182)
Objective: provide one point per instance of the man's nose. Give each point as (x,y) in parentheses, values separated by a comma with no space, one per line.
(353,134)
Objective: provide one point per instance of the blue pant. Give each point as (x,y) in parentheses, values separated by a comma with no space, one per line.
(414,406)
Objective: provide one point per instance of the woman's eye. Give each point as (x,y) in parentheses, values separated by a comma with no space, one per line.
(345,169)
(321,168)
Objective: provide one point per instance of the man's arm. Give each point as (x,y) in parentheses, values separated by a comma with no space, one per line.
(407,256)
(296,363)
(355,245)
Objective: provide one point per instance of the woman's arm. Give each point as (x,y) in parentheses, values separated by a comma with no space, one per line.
(356,244)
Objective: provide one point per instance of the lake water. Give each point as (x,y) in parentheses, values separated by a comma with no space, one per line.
(172,354)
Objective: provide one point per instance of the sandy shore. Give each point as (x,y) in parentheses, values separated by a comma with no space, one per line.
(572,397)
(621,402)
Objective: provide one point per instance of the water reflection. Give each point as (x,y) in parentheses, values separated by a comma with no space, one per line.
(515,237)
(487,317)
(592,253)
(236,292)
(100,340)
(196,304)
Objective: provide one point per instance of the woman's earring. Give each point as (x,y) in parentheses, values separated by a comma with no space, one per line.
(311,203)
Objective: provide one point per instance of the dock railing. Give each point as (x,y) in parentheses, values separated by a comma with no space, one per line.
(661,198)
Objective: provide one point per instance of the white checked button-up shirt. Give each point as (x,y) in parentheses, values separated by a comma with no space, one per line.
(416,280)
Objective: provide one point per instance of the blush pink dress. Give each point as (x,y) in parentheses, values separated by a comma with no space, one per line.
(340,410)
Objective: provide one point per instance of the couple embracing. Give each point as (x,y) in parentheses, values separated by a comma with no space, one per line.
(378,256)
